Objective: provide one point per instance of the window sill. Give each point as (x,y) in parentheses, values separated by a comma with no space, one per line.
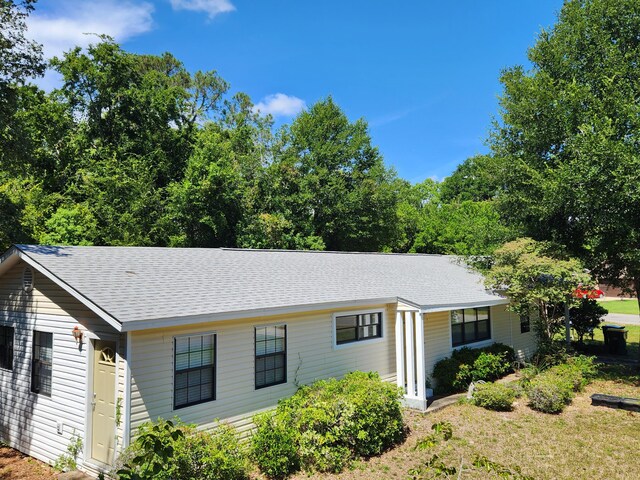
(358,343)
(478,344)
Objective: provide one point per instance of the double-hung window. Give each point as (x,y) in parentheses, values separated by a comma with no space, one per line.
(470,325)
(194,370)
(271,355)
(525,323)
(358,327)
(41,363)
(6,347)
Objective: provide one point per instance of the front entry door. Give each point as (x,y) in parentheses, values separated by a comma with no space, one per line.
(103,401)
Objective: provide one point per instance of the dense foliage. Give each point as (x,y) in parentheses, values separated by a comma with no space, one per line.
(136,150)
(326,425)
(455,373)
(586,316)
(537,278)
(568,138)
(494,396)
(173,450)
(553,389)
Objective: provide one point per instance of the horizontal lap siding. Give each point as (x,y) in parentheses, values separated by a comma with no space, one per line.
(437,339)
(506,329)
(310,356)
(28,421)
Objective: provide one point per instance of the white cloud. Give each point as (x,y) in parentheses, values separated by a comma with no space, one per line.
(280,105)
(210,7)
(66,25)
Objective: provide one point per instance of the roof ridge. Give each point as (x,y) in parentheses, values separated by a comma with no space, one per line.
(340,252)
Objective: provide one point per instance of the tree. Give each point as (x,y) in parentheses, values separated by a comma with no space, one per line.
(472,180)
(330,182)
(535,278)
(466,228)
(568,141)
(20,58)
(586,316)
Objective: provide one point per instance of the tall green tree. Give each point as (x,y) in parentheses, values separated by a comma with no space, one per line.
(568,138)
(330,183)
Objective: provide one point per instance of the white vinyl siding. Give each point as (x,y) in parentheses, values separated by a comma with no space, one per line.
(311,355)
(28,421)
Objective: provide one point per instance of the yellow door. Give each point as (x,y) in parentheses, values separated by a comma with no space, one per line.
(103,403)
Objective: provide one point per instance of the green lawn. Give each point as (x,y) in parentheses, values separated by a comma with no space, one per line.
(633,340)
(628,306)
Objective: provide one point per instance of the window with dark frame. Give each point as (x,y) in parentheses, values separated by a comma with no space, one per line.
(470,325)
(270,355)
(525,324)
(6,347)
(41,363)
(358,327)
(194,370)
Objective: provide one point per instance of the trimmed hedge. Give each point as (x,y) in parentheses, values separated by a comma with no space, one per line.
(455,373)
(494,396)
(552,390)
(326,425)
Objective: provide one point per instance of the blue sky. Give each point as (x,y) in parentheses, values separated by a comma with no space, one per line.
(424,74)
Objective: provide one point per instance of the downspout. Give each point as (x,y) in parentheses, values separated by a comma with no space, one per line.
(126,434)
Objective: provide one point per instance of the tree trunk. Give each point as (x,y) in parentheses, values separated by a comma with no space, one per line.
(567,322)
(636,287)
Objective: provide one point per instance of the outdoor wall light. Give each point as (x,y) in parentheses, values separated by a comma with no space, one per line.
(77,334)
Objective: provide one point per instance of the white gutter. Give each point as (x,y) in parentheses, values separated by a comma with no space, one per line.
(243,314)
(459,306)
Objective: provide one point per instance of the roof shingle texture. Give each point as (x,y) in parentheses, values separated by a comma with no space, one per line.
(141,283)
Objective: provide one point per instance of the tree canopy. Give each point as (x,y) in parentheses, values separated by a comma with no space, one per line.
(567,142)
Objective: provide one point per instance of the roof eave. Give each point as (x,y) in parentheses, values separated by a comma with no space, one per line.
(163,322)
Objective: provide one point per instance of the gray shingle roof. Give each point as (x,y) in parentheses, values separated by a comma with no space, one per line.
(140,283)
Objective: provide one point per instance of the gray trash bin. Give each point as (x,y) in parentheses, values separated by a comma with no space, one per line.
(615,339)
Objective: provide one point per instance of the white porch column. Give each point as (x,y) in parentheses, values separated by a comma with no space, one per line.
(400,351)
(421,374)
(410,354)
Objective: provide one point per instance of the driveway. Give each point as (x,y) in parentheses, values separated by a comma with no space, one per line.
(622,319)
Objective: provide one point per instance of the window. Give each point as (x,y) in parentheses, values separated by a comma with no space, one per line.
(358,327)
(41,363)
(194,370)
(470,325)
(271,355)
(525,324)
(6,347)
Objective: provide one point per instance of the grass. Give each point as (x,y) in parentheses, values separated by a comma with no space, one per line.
(582,442)
(625,306)
(633,340)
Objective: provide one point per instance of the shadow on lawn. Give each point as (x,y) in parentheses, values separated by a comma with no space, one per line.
(619,373)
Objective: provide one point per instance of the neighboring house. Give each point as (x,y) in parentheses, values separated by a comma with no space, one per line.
(94,341)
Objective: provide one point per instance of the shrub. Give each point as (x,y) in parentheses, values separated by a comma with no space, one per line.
(550,354)
(494,396)
(274,446)
(585,364)
(324,426)
(211,455)
(468,364)
(176,451)
(569,374)
(549,393)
